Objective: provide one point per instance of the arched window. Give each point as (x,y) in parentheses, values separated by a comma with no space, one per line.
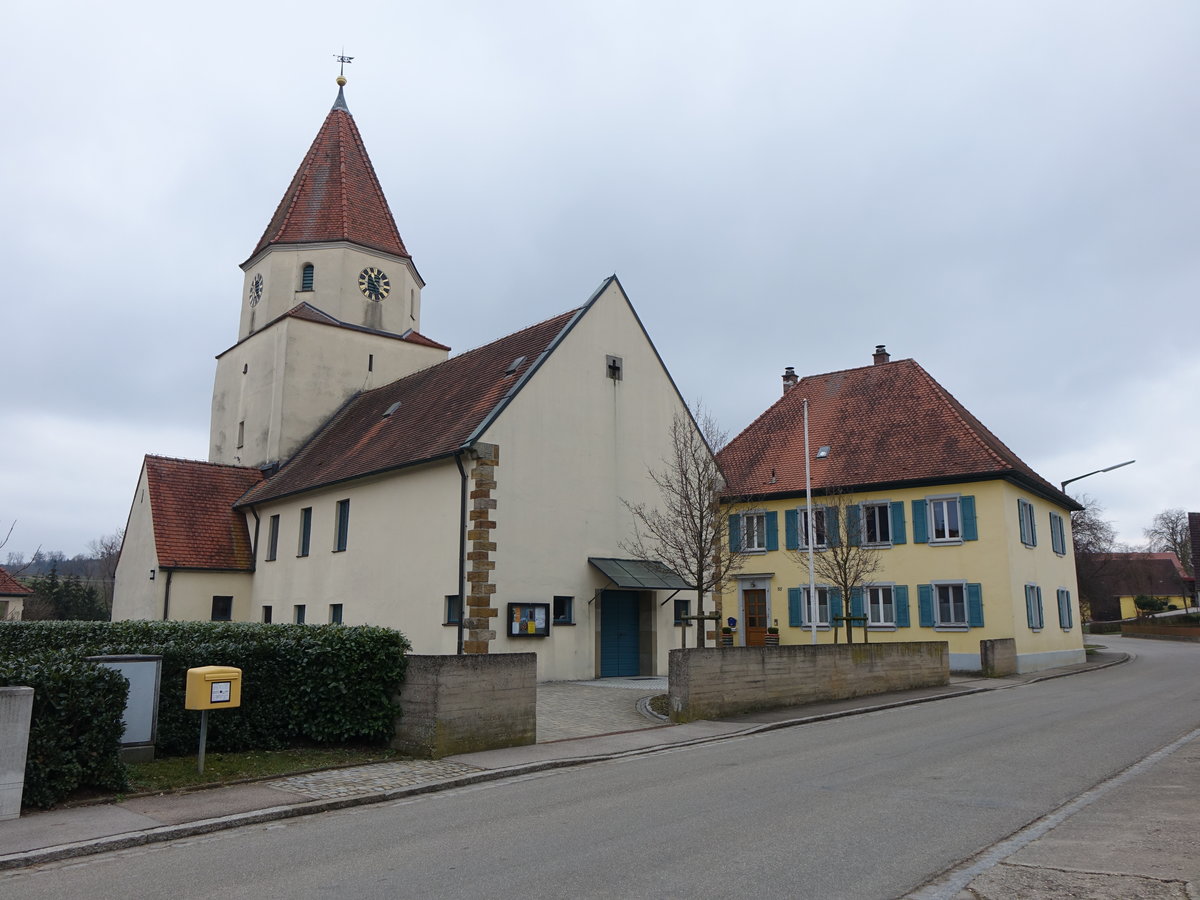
(306,277)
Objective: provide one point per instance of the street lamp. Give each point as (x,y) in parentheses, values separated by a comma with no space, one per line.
(1127,462)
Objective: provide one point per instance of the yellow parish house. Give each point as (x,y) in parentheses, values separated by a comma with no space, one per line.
(963,540)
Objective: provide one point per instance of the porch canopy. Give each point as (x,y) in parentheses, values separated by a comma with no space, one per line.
(639,574)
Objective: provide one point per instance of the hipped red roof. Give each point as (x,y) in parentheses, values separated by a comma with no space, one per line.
(10,587)
(335,195)
(883,424)
(432,413)
(195,525)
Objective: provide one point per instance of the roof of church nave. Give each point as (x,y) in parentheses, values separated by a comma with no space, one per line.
(335,194)
(309,313)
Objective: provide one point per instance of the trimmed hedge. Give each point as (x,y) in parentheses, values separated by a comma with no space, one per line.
(324,683)
(75,730)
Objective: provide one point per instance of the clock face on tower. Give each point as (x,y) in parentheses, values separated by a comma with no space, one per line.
(256,289)
(373,283)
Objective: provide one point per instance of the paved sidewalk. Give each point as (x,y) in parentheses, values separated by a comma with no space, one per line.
(607,712)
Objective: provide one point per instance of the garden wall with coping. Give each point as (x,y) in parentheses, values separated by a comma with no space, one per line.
(463,704)
(1163,632)
(726,681)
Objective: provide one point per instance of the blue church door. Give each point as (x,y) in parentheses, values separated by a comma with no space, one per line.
(619,634)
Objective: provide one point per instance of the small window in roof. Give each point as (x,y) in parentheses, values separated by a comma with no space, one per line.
(514,365)
(823,452)
(391,409)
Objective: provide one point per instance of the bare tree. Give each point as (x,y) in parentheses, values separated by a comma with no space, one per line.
(844,562)
(102,566)
(1169,533)
(1095,540)
(686,530)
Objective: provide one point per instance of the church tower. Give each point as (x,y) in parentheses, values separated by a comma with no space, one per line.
(331,305)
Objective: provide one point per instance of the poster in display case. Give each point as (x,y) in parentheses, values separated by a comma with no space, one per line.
(529,619)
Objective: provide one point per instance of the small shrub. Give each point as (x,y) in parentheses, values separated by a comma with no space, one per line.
(76,727)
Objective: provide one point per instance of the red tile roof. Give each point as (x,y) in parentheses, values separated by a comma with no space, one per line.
(885,424)
(1130,574)
(10,587)
(309,313)
(334,195)
(195,525)
(432,413)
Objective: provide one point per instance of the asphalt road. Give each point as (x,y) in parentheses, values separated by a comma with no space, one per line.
(868,806)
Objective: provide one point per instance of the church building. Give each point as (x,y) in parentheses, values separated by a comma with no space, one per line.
(360,474)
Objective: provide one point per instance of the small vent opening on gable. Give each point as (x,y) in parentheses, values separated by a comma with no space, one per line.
(615,366)
(391,409)
(514,365)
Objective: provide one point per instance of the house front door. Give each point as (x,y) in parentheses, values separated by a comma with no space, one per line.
(754,614)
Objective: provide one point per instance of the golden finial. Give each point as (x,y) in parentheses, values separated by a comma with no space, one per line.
(341,81)
(342,59)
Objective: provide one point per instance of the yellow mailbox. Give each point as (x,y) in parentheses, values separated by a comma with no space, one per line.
(213,687)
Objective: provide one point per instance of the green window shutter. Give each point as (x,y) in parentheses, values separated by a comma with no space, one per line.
(856,602)
(772,518)
(920,519)
(925,601)
(1032,527)
(1064,609)
(966,510)
(854,525)
(1029,617)
(900,603)
(735,533)
(835,604)
(1021,525)
(975,605)
(832,535)
(898,535)
(796,607)
(791,529)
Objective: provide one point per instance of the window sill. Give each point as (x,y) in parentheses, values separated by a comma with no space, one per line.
(337,550)
(810,628)
(449,624)
(951,542)
(962,628)
(882,627)
(885,545)
(559,624)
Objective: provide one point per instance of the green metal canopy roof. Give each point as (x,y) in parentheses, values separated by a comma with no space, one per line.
(639,573)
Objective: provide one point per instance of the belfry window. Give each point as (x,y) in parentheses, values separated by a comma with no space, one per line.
(306,277)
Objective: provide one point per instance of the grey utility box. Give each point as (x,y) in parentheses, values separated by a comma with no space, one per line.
(141,709)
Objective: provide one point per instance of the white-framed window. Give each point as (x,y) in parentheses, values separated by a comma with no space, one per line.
(945,520)
(1027,522)
(1033,607)
(877,523)
(1058,534)
(819,535)
(822,606)
(881,606)
(754,531)
(950,604)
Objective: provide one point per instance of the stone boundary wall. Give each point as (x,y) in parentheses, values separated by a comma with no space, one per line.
(16,707)
(1162,632)
(726,681)
(998,657)
(461,704)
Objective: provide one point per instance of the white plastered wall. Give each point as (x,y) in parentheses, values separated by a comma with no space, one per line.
(135,594)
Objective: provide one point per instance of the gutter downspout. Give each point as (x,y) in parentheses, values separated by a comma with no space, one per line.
(462,548)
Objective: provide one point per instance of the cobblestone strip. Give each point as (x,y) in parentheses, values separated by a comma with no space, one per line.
(369,779)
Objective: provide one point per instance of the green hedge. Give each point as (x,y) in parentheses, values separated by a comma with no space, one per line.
(327,683)
(75,730)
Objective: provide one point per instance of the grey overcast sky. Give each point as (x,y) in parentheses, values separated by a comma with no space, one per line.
(1007,191)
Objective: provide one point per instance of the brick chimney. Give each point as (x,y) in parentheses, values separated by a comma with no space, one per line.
(789,378)
(881,355)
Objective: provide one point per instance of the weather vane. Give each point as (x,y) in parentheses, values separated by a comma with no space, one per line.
(342,59)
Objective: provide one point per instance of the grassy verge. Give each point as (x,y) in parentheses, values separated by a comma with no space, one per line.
(179,772)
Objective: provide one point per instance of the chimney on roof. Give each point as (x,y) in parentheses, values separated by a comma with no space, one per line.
(789,378)
(881,355)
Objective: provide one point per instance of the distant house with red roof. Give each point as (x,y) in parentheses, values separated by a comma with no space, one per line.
(1123,577)
(12,596)
(359,474)
(970,543)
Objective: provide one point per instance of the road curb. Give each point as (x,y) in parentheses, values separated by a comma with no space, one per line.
(163,833)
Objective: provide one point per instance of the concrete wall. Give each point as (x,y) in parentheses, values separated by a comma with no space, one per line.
(725,681)
(16,706)
(999,657)
(460,704)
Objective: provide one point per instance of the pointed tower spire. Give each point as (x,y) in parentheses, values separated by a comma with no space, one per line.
(335,195)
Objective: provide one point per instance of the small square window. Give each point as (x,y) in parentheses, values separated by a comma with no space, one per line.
(335,614)
(298,614)
(453,609)
(682,610)
(615,367)
(564,610)
(266,614)
(222,609)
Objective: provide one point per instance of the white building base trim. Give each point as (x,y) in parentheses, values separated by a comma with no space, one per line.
(1035,662)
